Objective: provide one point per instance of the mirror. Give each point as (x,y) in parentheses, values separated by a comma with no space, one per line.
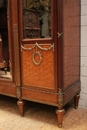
(36,18)
(5,62)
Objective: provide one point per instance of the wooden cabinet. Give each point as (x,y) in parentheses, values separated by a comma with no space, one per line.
(45,68)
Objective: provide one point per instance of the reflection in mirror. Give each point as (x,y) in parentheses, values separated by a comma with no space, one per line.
(36,18)
(5,69)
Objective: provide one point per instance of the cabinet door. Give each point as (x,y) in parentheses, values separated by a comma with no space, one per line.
(38,41)
(9,60)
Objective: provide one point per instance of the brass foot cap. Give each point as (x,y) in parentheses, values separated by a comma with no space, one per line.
(22,114)
(76,107)
(60,125)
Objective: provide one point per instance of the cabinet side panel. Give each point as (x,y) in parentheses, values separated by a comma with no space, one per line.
(71,41)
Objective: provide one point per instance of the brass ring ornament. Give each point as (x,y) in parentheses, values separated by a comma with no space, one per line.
(33,57)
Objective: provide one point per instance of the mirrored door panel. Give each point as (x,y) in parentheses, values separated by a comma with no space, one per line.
(5,62)
(36,18)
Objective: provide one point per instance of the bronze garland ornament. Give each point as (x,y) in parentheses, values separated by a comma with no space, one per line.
(36,45)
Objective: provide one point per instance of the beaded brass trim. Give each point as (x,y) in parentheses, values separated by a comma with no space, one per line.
(60,99)
(18,92)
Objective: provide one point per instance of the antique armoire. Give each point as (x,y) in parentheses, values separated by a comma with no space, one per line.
(40,52)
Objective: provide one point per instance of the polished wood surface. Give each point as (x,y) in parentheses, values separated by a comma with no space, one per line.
(58,80)
(71,42)
(41,76)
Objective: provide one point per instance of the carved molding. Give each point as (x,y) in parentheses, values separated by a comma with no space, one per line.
(16,55)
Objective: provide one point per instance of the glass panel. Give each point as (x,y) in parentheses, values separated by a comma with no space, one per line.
(36,18)
(5,63)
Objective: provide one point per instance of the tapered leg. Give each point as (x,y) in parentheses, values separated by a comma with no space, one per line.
(76,100)
(21,107)
(60,114)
